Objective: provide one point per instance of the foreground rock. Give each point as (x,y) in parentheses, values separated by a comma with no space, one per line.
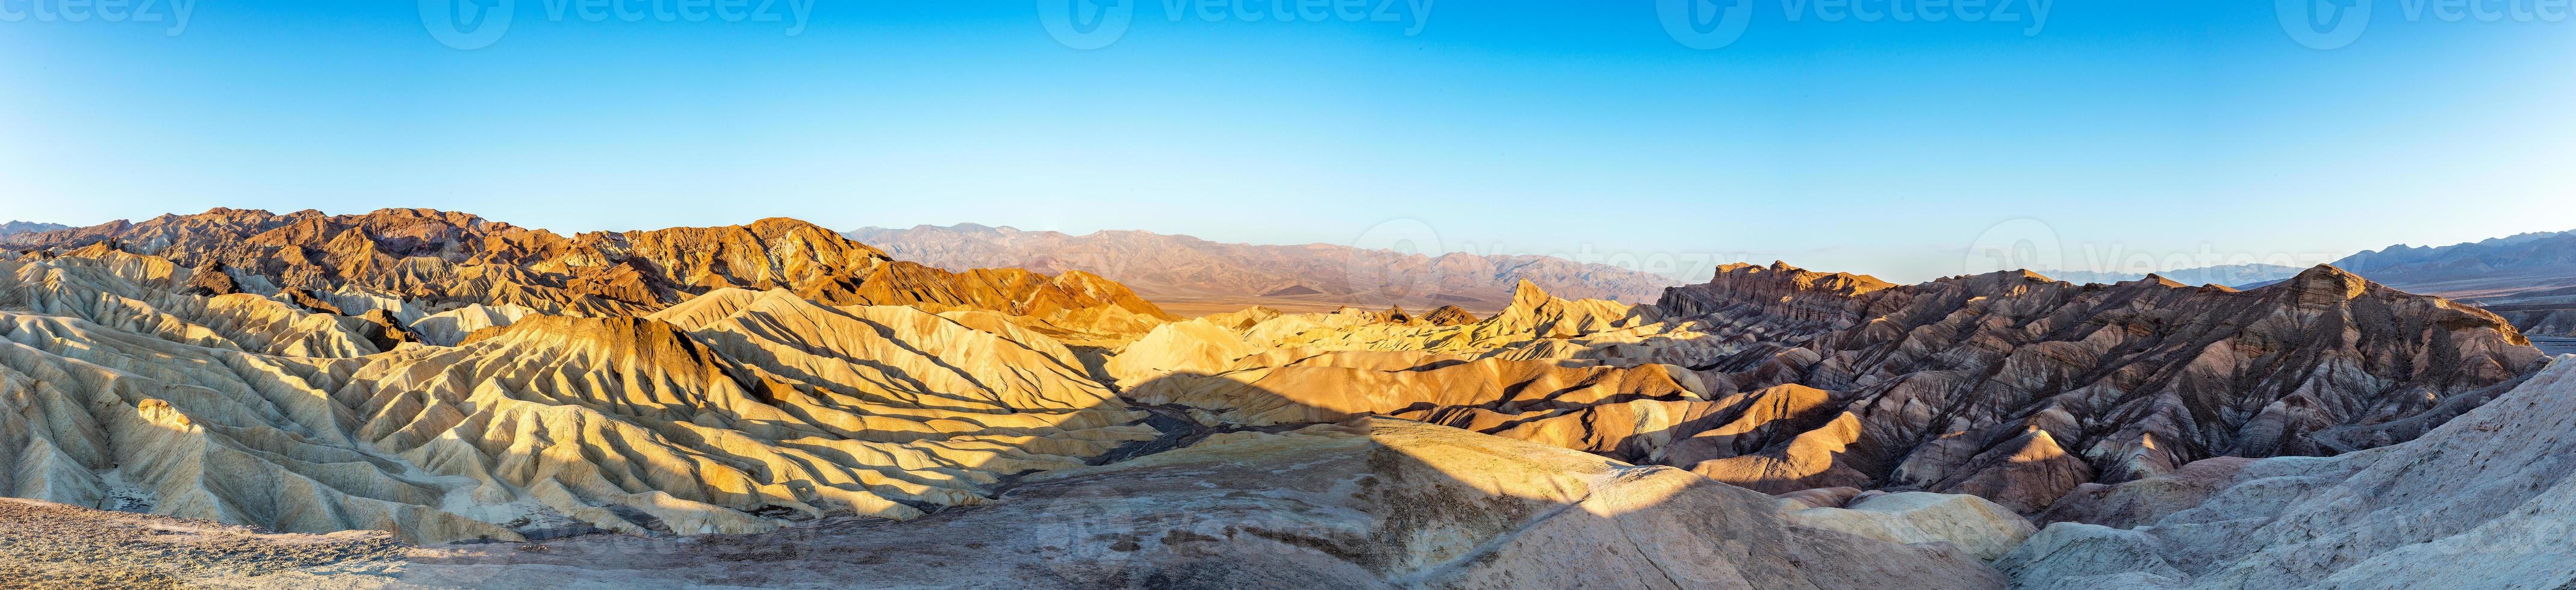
(2481,502)
(1370,504)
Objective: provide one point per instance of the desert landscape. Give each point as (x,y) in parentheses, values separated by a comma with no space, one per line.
(423,398)
(1287,295)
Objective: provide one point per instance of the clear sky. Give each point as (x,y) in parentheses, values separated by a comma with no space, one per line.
(1545,127)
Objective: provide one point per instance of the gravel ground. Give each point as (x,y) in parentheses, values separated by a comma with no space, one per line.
(47,545)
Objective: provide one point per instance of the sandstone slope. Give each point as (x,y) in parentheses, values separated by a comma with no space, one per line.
(732,412)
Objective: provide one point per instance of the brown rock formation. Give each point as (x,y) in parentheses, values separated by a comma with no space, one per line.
(210,281)
(384,330)
(1449,315)
(2019,388)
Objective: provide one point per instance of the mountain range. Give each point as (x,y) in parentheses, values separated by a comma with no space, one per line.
(2229,275)
(2528,278)
(1211,276)
(11,228)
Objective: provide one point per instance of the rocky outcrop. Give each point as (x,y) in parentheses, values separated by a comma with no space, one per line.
(2476,503)
(1449,315)
(1778,291)
(1161,266)
(211,280)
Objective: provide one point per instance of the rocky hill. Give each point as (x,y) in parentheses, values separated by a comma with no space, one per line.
(1176,266)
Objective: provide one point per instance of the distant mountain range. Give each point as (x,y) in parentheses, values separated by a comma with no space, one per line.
(2530,279)
(2495,266)
(2230,275)
(13,228)
(1179,268)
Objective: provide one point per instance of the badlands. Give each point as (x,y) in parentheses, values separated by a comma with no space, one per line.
(415,398)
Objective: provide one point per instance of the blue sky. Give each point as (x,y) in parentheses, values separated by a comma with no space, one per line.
(2110,130)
